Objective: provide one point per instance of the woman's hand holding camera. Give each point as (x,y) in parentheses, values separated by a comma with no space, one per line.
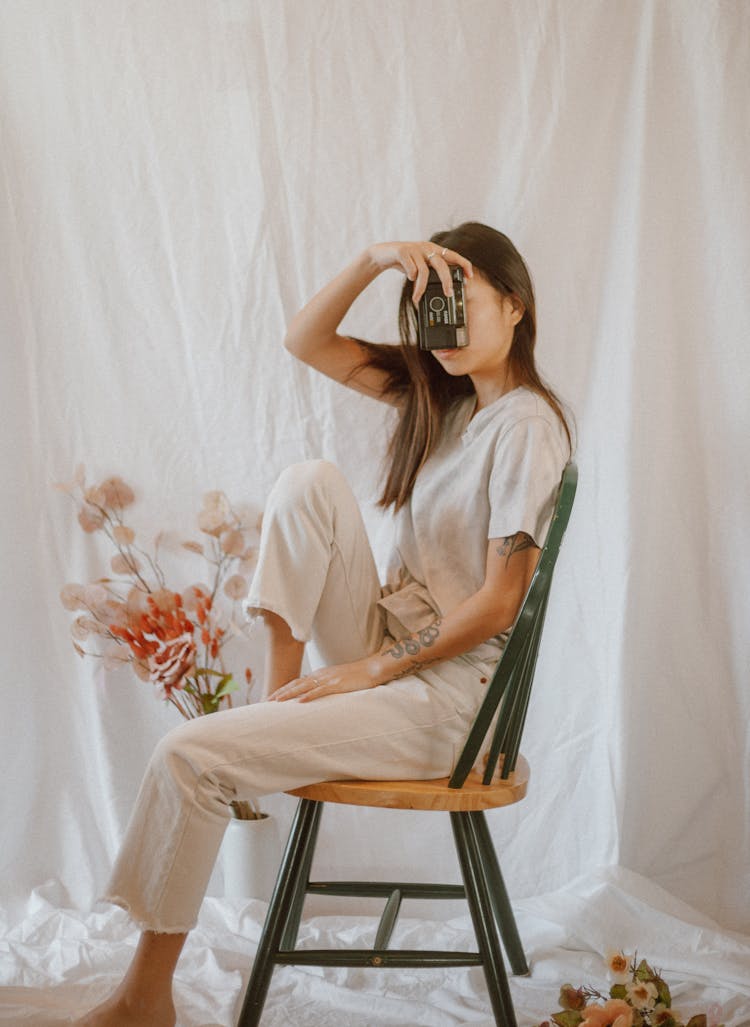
(415,260)
(313,334)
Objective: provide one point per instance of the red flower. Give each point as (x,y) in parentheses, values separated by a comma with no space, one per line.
(162,640)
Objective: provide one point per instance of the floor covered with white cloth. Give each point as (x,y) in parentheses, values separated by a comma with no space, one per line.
(61,962)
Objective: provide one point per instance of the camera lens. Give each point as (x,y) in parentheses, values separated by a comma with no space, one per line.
(437,303)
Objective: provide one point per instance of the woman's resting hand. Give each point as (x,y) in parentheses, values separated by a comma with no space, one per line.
(492,609)
(345,677)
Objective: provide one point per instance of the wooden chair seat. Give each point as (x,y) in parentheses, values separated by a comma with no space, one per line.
(424,795)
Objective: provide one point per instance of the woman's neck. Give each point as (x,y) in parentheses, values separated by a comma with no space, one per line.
(492,388)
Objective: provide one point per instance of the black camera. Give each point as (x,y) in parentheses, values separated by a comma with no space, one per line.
(441,319)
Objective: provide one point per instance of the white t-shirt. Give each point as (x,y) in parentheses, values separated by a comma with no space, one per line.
(493,474)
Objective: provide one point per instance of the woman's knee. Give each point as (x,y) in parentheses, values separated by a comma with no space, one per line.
(310,478)
(185,752)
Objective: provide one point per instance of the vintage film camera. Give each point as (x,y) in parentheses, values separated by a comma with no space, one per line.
(440,318)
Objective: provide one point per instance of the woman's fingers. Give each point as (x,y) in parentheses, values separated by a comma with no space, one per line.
(440,260)
(415,260)
(295,689)
(409,266)
(420,282)
(350,677)
(451,257)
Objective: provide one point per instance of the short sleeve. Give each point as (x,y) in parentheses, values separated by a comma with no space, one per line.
(528,464)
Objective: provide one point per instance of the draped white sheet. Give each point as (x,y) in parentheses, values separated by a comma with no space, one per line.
(177,178)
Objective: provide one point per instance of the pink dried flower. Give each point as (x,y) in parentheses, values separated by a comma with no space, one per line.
(233,542)
(213,519)
(124,564)
(90,519)
(614,1013)
(77,481)
(113,657)
(124,535)
(94,596)
(78,630)
(194,597)
(164,599)
(71,597)
(236,587)
(112,494)
(141,670)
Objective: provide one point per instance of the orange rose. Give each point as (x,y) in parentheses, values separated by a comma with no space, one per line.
(614,1013)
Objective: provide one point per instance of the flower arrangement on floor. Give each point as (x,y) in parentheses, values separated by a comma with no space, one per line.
(173,639)
(639,997)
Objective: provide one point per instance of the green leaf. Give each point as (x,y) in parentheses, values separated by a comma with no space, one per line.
(617,991)
(663,992)
(567,1018)
(205,672)
(226,685)
(209,704)
(644,972)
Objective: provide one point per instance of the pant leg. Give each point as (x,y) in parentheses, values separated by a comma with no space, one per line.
(315,567)
(410,728)
(316,570)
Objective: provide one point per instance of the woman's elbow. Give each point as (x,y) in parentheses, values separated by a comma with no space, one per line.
(500,614)
(292,342)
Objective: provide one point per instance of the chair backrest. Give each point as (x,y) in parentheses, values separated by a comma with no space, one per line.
(509,690)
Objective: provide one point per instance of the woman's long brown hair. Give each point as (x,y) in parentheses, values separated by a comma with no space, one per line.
(425,392)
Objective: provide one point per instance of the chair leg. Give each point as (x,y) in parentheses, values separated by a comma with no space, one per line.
(480,907)
(499,895)
(301,837)
(291,930)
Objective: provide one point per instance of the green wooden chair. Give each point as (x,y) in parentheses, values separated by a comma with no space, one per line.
(465,796)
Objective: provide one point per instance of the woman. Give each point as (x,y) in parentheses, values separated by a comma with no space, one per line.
(475,461)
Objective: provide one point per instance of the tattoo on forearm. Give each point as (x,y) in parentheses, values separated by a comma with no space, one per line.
(413,666)
(515,544)
(415,643)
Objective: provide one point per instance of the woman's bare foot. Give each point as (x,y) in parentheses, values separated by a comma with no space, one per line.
(116,1011)
(144,998)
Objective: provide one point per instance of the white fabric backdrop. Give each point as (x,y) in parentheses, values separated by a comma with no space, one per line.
(178,177)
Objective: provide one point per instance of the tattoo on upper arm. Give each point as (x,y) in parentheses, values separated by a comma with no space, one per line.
(415,643)
(515,544)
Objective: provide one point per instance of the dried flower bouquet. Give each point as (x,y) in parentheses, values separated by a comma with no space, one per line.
(639,997)
(173,639)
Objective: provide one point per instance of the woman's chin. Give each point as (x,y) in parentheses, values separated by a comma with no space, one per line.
(449,360)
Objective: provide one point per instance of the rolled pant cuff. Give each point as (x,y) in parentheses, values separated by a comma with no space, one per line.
(146,924)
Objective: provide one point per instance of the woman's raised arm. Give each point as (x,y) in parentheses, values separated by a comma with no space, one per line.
(312,335)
